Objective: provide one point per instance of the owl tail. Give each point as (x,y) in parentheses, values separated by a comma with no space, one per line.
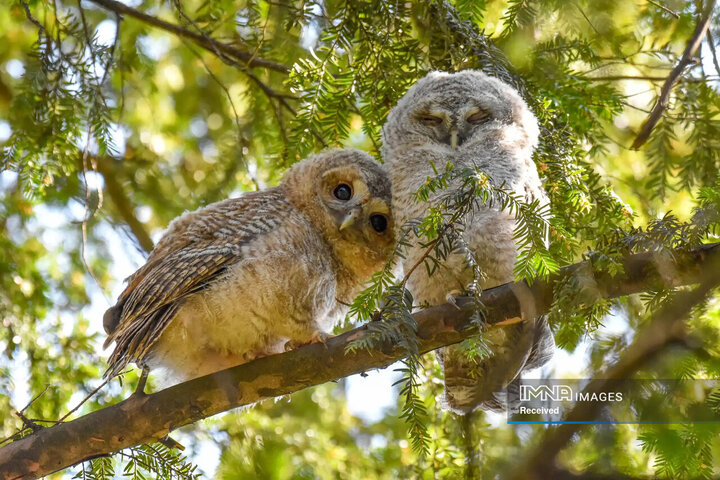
(470,385)
(111,319)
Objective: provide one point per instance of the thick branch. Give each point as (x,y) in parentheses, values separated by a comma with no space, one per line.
(204,41)
(686,59)
(145,418)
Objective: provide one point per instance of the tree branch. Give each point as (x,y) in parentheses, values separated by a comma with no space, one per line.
(225,52)
(663,7)
(146,418)
(204,41)
(647,78)
(686,59)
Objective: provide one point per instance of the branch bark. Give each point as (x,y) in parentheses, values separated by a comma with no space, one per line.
(686,59)
(205,42)
(146,418)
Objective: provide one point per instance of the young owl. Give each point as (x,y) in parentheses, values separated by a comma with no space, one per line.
(469,119)
(247,276)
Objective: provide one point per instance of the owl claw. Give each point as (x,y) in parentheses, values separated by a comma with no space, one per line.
(254,355)
(317,337)
(321,337)
(450,298)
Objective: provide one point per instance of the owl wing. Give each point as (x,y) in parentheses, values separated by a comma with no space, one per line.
(196,250)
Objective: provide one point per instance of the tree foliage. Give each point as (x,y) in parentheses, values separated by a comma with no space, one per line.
(115,118)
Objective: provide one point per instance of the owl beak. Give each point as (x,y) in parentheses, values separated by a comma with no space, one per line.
(453,138)
(350,218)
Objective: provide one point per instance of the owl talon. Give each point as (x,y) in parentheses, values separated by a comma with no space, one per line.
(254,355)
(321,337)
(317,337)
(451,298)
(292,345)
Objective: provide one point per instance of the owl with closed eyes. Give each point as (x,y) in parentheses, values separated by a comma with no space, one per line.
(249,276)
(468,119)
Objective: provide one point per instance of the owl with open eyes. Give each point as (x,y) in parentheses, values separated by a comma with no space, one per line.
(469,119)
(250,276)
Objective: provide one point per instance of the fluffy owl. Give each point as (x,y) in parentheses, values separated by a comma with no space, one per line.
(469,119)
(245,277)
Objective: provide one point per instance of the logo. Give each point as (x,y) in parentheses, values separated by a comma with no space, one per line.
(648,401)
(553,393)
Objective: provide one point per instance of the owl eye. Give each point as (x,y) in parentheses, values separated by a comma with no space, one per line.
(343,192)
(430,120)
(379,222)
(478,117)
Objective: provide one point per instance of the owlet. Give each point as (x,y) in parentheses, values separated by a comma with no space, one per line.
(243,277)
(469,119)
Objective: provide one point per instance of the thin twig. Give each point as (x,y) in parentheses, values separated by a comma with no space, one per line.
(88,213)
(86,31)
(281,98)
(222,87)
(43,420)
(204,41)
(686,59)
(35,398)
(597,32)
(262,35)
(32,19)
(13,435)
(663,7)
(88,397)
(424,256)
(646,78)
(29,424)
(86,151)
(269,92)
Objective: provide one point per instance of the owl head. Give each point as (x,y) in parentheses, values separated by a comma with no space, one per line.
(452,110)
(347,193)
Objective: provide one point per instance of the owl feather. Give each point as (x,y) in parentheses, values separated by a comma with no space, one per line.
(245,277)
(472,121)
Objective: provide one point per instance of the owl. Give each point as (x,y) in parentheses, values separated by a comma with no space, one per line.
(469,119)
(247,277)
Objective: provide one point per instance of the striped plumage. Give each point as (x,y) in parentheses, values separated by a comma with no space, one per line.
(243,277)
